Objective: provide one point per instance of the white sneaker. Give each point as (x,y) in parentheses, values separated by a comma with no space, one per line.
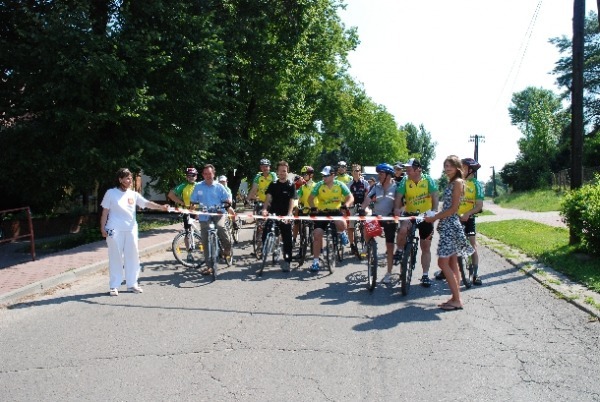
(135,289)
(387,278)
(114,292)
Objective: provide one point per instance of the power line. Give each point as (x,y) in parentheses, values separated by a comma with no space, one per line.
(521,53)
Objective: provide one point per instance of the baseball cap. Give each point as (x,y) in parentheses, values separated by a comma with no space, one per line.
(327,171)
(222,178)
(412,162)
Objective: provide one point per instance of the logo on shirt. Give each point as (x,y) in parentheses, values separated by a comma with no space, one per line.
(130,201)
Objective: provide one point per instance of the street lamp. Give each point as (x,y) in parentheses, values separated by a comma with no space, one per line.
(494,192)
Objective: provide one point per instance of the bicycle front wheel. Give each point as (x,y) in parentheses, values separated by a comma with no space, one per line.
(188,250)
(330,250)
(406,269)
(266,251)
(214,254)
(257,240)
(371,264)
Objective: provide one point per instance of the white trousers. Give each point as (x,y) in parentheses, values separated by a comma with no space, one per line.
(123,253)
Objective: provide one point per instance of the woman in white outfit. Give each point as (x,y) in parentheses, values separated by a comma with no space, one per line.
(119,226)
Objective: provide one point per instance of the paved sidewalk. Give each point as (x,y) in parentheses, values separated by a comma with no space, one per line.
(47,271)
(551,218)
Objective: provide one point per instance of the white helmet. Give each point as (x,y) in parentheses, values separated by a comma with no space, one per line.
(223,178)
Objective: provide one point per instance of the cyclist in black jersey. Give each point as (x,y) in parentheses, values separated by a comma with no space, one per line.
(359,187)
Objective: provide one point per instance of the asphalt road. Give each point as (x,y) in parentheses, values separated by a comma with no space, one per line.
(297,336)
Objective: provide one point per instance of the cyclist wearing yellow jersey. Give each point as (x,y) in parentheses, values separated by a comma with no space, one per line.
(331,195)
(180,195)
(342,174)
(471,203)
(416,193)
(303,193)
(261,181)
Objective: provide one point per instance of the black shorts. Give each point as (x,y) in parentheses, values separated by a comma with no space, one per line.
(425,228)
(389,229)
(323,224)
(469,226)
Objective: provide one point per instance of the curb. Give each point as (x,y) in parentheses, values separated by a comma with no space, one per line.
(560,284)
(48,284)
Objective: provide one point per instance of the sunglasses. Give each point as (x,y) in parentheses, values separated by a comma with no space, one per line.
(357,171)
(191,175)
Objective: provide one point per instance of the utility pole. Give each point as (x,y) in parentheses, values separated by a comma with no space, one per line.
(476,139)
(494,192)
(577,102)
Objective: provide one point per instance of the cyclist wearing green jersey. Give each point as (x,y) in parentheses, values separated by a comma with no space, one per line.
(332,195)
(180,195)
(342,174)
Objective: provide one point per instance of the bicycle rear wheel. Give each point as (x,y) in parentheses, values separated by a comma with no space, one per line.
(371,264)
(406,268)
(190,255)
(466,271)
(235,234)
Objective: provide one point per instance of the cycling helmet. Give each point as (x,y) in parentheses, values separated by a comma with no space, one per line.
(342,164)
(385,168)
(222,178)
(191,170)
(307,170)
(265,162)
(471,164)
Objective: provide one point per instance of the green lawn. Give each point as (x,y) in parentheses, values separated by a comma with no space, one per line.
(546,244)
(535,201)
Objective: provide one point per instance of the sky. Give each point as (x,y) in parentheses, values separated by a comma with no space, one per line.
(454,65)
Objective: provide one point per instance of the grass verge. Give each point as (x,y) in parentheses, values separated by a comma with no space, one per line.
(548,245)
(534,200)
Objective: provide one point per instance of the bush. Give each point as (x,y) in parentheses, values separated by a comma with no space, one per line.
(581,211)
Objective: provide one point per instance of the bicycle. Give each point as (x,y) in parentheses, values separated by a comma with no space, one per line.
(331,250)
(371,256)
(271,245)
(306,239)
(465,265)
(409,255)
(187,245)
(233,228)
(359,238)
(257,233)
(215,248)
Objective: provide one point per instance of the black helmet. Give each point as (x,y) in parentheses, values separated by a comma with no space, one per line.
(471,164)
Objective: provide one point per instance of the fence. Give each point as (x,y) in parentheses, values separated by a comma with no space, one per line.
(16,234)
(562,179)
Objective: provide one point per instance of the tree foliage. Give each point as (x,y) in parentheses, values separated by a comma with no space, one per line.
(420,144)
(88,87)
(538,113)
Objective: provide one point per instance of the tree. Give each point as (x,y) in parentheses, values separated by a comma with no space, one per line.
(538,114)
(591,102)
(419,144)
